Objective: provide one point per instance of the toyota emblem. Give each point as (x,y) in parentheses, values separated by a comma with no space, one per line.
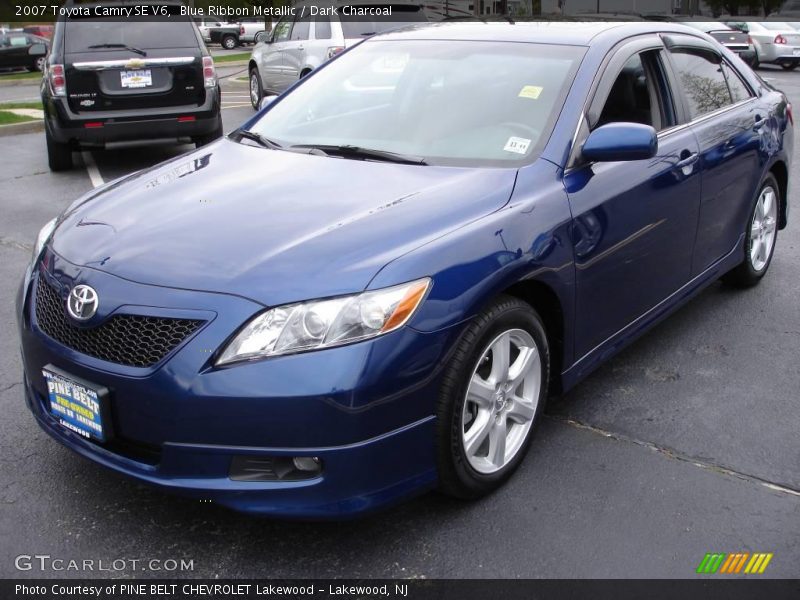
(82,303)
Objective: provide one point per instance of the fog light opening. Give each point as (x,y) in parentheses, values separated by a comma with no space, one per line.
(274,468)
(308,464)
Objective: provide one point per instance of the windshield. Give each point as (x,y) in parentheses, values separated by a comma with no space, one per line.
(775,26)
(136,32)
(450,102)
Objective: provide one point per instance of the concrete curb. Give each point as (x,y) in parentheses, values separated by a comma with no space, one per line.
(18,128)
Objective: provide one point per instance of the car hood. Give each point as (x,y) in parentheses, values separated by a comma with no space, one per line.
(270,225)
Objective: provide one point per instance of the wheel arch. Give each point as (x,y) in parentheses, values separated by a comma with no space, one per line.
(781,173)
(544,300)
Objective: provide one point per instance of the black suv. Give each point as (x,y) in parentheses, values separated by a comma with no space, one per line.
(112,78)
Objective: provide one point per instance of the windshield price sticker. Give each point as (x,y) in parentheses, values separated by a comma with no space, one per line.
(516,144)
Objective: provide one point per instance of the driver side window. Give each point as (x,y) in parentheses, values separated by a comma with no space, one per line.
(637,95)
(282,30)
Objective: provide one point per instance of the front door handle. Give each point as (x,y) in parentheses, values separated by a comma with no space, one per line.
(760,122)
(688,160)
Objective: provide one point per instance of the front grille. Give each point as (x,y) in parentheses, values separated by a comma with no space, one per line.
(131,340)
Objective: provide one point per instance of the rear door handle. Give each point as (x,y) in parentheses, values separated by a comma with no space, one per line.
(689,160)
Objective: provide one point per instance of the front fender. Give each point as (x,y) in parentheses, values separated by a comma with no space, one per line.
(526,240)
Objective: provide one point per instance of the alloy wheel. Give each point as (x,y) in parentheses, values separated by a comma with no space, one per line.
(501,401)
(763,228)
(255,94)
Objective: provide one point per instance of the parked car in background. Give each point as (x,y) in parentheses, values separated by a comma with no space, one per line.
(298,45)
(252,30)
(20,50)
(110,80)
(734,40)
(219,32)
(774,42)
(45,31)
(371,288)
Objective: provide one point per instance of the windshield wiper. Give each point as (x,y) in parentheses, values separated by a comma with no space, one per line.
(122,46)
(258,139)
(348,151)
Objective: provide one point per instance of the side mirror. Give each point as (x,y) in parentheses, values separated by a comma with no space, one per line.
(621,141)
(266,101)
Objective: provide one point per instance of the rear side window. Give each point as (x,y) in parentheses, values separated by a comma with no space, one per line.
(301,29)
(736,86)
(704,83)
(137,32)
(322,30)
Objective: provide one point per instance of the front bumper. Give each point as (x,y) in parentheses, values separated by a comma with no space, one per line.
(366,410)
(356,479)
(66,125)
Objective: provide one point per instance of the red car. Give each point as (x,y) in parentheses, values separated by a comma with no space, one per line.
(45,31)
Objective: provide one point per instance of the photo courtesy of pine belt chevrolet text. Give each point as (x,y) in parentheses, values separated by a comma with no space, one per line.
(371,288)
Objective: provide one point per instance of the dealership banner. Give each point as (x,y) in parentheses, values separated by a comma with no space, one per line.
(30,11)
(418,589)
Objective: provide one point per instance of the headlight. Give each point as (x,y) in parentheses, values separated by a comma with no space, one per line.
(41,239)
(325,323)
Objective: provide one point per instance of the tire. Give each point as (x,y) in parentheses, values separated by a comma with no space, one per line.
(468,474)
(59,156)
(788,66)
(256,89)
(204,140)
(229,42)
(40,64)
(761,235)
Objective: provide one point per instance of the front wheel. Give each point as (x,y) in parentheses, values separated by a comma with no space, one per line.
(493,392)
(229,42)
(761,233)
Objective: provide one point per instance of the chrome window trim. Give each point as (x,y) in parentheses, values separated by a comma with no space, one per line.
(133,63)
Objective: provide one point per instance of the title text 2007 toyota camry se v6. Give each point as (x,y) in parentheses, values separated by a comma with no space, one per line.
(427,236)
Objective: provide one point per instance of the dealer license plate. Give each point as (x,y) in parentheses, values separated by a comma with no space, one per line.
(136,79)
(77,405)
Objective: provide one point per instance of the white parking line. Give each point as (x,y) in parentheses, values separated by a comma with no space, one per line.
(236,105)
(91,169)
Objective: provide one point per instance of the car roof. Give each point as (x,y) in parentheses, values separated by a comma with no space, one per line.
(548,32)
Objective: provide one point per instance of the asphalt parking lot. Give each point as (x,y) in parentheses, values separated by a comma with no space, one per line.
(686,443)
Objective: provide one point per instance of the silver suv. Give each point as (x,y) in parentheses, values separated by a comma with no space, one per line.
(300,44)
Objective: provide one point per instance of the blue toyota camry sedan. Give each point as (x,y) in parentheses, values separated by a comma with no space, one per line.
(371,288)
